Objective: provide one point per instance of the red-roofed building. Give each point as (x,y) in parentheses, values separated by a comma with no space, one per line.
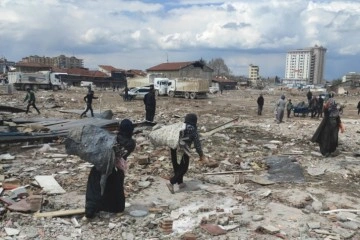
(195,69)
(108,70)
(135,73)
(31,67)
(223,83)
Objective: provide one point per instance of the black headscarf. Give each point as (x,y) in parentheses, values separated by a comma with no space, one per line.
(126,128)
(191,119)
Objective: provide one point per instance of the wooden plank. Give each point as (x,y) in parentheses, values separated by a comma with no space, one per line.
(60,213)
(219,128)
(230,172)
(49,184)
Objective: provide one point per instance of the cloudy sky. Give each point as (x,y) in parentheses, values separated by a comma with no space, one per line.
(132,34)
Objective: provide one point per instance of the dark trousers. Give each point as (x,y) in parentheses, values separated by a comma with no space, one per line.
(88,107)
(179,169)
(260,108)
(150,113)
(288,113)
(33,105)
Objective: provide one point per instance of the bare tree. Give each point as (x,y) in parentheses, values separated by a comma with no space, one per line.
(219,67)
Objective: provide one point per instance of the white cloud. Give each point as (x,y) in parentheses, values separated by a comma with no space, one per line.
(185,29)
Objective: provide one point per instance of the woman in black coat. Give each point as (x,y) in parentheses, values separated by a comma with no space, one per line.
(113,198)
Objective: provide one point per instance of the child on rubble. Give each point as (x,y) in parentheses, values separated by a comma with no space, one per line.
(187,137)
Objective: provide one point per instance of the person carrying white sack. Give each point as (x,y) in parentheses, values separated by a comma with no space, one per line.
(187,136)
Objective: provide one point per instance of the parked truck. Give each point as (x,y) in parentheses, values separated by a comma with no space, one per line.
(188,88)
(35,80)
(160,83)
(143,81)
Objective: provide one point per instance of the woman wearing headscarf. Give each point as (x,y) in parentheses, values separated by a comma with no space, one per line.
(113,198)
(280,109)
(187,137)
(326,135)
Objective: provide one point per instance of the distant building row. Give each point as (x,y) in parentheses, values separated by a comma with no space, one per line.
(60,61)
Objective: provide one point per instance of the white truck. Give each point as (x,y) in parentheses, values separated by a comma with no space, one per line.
(142,81)
(188,88)
(160,83)
(35,80)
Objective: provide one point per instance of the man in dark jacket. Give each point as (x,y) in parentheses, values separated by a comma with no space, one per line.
(320,106)
(150,104)
(260,102)
(30,96)
(113,198)
(309,96)
(187,137)
(88,99)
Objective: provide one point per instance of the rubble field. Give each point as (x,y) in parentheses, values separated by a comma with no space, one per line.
(270,181)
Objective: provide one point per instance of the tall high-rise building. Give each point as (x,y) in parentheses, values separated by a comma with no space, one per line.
(305,66)
(253,74)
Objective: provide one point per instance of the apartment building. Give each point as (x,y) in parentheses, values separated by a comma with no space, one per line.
(60,61)
(305,66)
(254,74)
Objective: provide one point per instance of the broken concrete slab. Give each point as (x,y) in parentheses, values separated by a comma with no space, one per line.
(316,171)
(49,184)
(213,229)
(284,169)
(7,156)
(21,206)
(267,229)
(11,231)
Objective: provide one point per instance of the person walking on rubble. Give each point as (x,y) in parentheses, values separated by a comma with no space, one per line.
(260,103)
(30,96)
(88,99)
(358,107)
(280,109)
(187,136)
(150,104)
(113,198)
(326,135)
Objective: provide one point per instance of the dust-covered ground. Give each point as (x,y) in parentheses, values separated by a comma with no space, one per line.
(283,193)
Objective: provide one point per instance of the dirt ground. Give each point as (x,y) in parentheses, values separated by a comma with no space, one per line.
(245,205)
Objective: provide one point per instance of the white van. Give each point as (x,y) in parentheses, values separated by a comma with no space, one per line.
(86,84)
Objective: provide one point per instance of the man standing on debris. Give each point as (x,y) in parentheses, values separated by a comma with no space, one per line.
(187,136)
(30,96)
(150,104)
(126,94)
(260,103)
(88,99)
(309,96)
(320,106)
(280,109)
(113,198)
(289,107)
